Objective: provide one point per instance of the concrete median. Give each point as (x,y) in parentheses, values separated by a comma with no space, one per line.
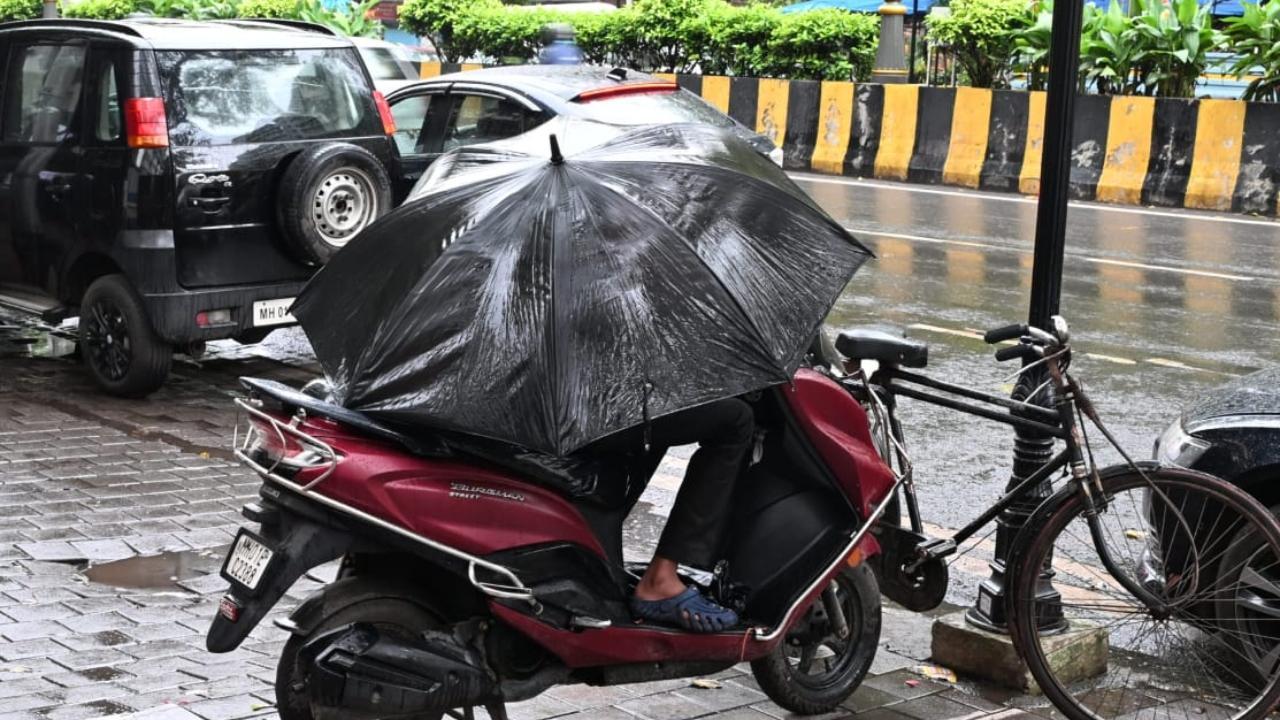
(1203,154)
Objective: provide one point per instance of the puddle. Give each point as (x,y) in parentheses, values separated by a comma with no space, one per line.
(157,572)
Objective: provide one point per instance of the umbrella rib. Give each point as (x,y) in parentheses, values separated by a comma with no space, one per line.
(737,304)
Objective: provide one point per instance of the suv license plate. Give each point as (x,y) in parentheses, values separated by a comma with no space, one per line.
(272,312)
(247,561)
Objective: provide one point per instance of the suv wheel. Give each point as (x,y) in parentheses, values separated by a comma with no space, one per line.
(122,352)
(328,194)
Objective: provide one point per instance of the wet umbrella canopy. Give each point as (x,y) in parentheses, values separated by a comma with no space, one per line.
(550,301)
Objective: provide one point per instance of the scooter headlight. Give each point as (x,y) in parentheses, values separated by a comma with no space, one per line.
(1179,448)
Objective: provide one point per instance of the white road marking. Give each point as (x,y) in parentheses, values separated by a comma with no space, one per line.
(1027,200)
(1145,266)
(1111,358)
(1096,260)
(945,331)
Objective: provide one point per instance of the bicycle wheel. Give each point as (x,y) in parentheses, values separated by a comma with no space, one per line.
(1192,541)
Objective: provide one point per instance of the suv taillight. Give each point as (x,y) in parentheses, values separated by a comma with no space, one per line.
(384,111)
(145,125)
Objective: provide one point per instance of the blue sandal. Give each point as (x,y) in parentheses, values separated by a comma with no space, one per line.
(689,610)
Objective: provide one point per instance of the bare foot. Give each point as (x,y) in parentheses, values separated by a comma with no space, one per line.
(660,581)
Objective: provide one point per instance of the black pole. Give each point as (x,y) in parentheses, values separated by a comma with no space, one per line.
(1031,449)
(915,30)
(1055,169)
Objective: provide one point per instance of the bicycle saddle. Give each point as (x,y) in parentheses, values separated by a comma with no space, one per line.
(886,346)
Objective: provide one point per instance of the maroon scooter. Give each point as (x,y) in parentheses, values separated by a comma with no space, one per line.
(474,575)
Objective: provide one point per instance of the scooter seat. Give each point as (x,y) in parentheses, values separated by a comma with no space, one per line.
(603,482)
(884,345)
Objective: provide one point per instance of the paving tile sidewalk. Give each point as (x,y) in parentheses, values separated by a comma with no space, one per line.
(86,480)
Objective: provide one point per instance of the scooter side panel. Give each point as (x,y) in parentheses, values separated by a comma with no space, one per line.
(474,509)
(837,426)
(624,645)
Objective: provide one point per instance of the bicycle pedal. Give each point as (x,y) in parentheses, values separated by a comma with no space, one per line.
(934,549)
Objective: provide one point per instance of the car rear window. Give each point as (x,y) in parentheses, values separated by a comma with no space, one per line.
(654,108)
(384,65)
(221,97)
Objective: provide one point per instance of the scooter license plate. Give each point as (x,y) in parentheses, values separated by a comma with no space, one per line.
(247,561)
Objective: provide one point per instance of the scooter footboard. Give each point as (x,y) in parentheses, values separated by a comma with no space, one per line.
(262,567)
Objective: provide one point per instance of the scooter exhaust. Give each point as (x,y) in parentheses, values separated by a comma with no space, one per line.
(364,672)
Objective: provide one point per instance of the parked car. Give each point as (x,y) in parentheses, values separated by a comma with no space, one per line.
(481,106)
(391,66)
(1233,432)
(173,182)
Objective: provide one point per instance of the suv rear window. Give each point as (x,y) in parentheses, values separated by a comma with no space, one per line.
(219,97)
(654,108)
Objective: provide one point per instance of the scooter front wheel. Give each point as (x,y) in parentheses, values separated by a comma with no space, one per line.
(395,616)
(816,667)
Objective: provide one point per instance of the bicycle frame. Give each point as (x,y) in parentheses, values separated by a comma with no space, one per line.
(1058,422)
(896,382)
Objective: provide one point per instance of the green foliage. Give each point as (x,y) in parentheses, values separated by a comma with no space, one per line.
(353,20)
(660,35)
(734,40)
(661,29)
(1111,60)
(982,35)
(824,44)
(509,35)
(273,9)
(20,9)
(435,20)
(1032,45)
(1255,38)
(99,9)
(602,37)
(1174,41)
(190,9)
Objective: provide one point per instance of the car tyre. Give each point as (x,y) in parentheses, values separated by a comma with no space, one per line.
(124,355)
(328,194)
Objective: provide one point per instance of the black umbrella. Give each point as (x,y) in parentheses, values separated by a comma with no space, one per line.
(548,301)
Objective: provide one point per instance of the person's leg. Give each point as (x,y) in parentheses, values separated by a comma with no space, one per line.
(695,529)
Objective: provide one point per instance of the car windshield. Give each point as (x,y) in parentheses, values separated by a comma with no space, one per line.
(218,97)
(654,108)
(384,65)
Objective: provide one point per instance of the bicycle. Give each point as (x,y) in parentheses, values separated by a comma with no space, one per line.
(1171,548)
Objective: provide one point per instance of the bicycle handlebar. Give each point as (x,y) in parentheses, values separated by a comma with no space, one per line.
(1014,352)
(1008,332)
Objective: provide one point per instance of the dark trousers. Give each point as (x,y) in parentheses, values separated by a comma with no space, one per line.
(724,431)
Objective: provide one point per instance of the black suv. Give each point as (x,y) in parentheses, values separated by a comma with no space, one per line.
(173,182)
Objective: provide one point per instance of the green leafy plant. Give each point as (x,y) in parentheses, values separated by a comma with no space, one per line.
(826,44)
(1113,59)
(1032,44)
(1255,39)
(601,36)
(509,35)
(99,9)
(190,9)
(662,31)
(435,20)
(272,9)
(20,9)
(734,40)
(1174,41)
(353,20)
(982,35)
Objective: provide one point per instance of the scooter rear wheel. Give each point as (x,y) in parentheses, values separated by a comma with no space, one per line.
(813,670)
(395,616)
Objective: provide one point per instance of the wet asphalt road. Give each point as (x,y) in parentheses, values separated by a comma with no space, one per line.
(1163,306)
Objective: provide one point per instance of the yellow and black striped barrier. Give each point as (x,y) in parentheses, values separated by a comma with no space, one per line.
(1206,154)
